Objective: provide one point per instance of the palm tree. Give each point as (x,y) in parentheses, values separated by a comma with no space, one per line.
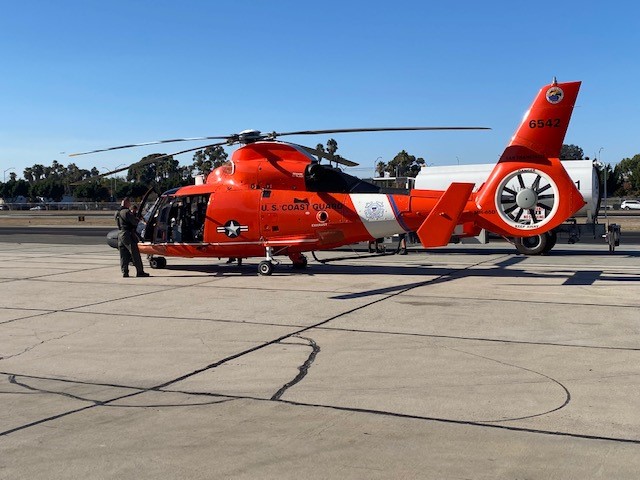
(28,175)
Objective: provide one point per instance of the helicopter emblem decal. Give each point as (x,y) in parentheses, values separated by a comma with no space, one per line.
(555,95)
(374,211)
(232,228)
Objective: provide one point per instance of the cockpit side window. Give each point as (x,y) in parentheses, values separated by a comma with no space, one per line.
(228,168)
(323,178)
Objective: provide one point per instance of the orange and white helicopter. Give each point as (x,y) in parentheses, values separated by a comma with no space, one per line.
(274,198)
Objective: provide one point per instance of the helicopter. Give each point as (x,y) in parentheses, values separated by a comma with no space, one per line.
(276,199)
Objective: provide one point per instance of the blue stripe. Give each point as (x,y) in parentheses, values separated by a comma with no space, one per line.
(396,213)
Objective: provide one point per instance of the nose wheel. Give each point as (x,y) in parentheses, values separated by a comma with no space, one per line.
(265,267)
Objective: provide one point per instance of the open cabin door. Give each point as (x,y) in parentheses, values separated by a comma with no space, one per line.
(177,219)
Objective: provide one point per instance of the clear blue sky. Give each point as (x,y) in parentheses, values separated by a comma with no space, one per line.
(80,75)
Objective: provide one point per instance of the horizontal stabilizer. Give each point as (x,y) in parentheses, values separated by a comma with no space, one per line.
(437,228)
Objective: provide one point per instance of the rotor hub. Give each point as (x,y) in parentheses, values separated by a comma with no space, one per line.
(526,198)
(249,136)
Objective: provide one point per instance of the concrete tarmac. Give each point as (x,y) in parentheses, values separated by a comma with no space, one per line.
(466,362)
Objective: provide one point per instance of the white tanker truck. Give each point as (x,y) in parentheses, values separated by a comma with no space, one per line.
(584,174)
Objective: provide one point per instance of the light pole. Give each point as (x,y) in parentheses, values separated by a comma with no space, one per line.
(106,174)
(605,181)
(4,174)
(113,179)
(375,166)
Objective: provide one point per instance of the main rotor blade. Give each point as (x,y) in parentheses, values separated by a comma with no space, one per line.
(328,156)
(381,129)
(161,157)
(156,142)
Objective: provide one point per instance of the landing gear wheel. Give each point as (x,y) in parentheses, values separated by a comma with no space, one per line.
(613,237)
(265,267)
(552,238)
(300,262)
(534,245)
(157,262)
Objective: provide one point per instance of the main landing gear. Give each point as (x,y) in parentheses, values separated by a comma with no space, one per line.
(536,245)
(266,266)
(157,262)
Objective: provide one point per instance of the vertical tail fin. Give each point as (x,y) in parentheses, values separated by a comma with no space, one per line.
(545,124)
(529,192)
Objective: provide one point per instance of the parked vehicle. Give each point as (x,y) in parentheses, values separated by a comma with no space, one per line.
(630,205)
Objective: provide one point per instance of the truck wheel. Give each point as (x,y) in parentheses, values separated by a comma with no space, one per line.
(534,245)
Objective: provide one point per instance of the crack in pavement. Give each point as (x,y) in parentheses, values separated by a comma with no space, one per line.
(28,349)
(277,340)
(303,369)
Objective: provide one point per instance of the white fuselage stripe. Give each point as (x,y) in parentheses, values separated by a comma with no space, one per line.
(376,214)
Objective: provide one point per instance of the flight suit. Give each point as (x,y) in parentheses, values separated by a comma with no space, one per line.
(128,242)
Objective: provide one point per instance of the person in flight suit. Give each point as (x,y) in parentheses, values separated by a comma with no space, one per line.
(128,240)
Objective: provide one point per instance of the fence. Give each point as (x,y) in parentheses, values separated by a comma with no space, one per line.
(86,206)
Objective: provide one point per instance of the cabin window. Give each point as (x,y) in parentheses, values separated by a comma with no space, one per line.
(180,219)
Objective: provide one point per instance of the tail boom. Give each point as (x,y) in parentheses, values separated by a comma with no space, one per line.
(529,192)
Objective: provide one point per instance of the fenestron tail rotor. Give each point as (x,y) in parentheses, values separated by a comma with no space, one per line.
(526,197)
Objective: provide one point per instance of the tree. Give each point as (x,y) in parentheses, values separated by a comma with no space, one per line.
(74,174)
(51,187)
(332,146)
(28,175)
(144,171)
(57,169)
(612,179)
(404,165)
(19,188)
(38,172)
(204,161)
(628,172)
(91,191)
(571,152)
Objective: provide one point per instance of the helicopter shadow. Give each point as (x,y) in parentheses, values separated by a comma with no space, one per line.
(503,269)
(558,251)
(500,270)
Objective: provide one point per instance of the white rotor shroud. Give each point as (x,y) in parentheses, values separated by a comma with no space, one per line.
(527,199)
